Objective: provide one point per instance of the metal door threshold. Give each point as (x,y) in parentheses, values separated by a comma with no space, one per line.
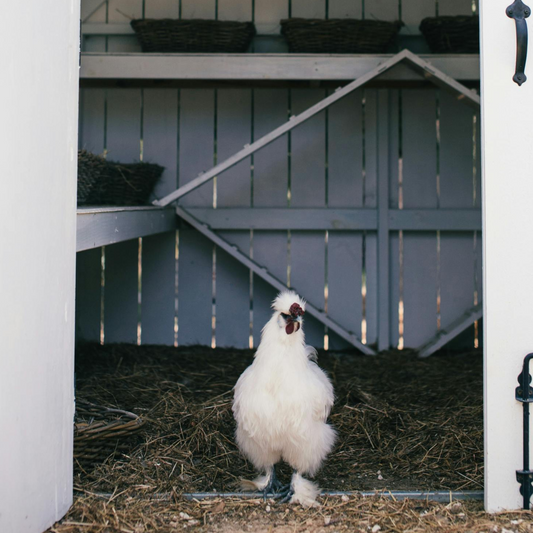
(436,496)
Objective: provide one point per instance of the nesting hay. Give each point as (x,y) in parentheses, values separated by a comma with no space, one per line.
(354,514)
(403,423)
(416,422)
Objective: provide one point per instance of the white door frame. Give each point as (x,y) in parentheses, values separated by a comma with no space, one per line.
(39,51)
(507,154)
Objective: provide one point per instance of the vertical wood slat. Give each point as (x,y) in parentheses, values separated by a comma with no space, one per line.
(235,10)
(88,279)
(233,294)
(419,186)
(383,246)
(394,254)
(345,152)
(268,14)
(271,170)
(120,295)
(270,250)
(413,11)
(121,289)
(122,11)
(308,189)
(197,126)
(196,153)
(270,163)
(455,7)
(456,131)
(95,43)
(234,129)
(162,9)
(159,138)
(457,267)
(158,294)
(344,283)
(308,8)
(457,278)
(308,277)
(92,120)
(345,9)
(160,135)
(191,9)
(308,157)
(383,9)
(394,141)
(345,189)
(374,116)
(194,288)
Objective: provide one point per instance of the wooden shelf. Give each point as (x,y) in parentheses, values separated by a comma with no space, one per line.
(100,226)
(263,67)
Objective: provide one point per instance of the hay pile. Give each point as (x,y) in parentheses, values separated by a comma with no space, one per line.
(354,514)
(403,423)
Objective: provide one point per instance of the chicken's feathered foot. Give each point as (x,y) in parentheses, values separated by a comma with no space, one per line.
(300,491)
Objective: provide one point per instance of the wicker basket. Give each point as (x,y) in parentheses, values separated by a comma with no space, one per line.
(130,184)
(102,182)
(91,170)
(339,36)
(195,35)
(100,432)
(459,35)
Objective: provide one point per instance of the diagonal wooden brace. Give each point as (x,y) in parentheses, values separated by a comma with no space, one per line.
(269,278)
(455,328)
(424,68)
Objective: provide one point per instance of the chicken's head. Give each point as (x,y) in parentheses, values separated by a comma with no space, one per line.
(291,309)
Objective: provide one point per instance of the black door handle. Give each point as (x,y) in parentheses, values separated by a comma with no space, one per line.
(519,12)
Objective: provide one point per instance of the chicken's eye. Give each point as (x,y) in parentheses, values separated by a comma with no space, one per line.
(285,317)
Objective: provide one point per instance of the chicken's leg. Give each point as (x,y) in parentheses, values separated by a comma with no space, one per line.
(273,486)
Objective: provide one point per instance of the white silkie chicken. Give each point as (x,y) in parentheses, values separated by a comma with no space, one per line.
(281,404)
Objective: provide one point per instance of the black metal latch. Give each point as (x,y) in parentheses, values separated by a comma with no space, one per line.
(519,12)
(524,394)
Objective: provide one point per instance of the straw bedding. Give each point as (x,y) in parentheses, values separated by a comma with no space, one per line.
(403,423)
(354,514)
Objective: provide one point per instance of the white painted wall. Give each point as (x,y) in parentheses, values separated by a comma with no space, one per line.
(38,143)
(507,137)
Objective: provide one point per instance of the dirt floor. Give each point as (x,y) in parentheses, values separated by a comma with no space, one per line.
(355,514)
(404,424)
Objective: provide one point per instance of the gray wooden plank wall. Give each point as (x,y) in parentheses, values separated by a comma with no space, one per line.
(176,288)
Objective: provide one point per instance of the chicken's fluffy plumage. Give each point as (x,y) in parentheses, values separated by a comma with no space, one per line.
(282,402)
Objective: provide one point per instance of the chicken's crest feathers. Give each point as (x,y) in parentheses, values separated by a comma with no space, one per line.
(285,299)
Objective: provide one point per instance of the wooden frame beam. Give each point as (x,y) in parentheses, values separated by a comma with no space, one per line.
(455,328)
(88,7)
(461,92)
(259,67)
(332,219)
(263,273)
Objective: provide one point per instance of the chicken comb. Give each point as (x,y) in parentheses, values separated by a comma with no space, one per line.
(296,310)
